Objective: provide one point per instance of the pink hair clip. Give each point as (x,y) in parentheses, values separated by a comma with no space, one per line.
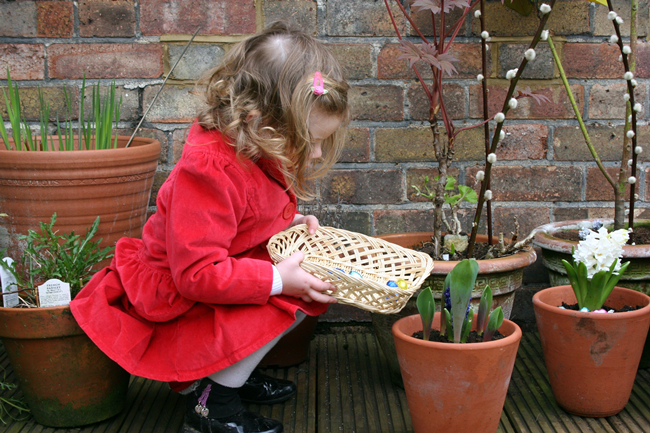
(318,88)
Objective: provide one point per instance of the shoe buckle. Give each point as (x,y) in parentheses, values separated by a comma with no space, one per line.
(201,407)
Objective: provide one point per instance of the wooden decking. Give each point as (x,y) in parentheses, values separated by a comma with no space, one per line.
(345,387)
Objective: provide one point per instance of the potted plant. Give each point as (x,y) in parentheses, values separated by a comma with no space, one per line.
(458,382)
(65,379)
(501,261)
(80,173)
(592,332)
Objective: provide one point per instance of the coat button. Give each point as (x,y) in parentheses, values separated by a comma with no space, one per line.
(289,211)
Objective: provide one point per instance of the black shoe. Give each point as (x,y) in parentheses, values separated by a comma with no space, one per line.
(227,415)
(263,389)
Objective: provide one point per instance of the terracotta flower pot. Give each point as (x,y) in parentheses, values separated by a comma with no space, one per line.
(455,387)
(79,185)
(65,379)
(504,276)
(591,358)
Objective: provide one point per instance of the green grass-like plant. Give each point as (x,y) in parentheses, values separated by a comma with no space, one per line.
(96,132)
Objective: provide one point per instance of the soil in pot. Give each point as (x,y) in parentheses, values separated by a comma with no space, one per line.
(472,337)
(640,236)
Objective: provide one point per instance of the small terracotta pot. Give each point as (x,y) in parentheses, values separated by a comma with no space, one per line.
(65,379)
(503,275)
(455,387)
(591,358)
(293,348)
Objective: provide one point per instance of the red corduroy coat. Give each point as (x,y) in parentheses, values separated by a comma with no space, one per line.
(192,296)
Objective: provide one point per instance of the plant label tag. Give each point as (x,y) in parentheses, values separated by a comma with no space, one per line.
(8,281)
(54,293)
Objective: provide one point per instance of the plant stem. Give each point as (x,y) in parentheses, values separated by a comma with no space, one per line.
(486,115)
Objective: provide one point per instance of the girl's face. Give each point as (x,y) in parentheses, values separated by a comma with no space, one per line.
(321,126)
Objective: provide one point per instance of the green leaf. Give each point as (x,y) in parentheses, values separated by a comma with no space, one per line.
(484,307)
(611,283)
(450,184)
(467,326)
(426,306)
(572,274)
(468,193)
(494,323)
(461,282)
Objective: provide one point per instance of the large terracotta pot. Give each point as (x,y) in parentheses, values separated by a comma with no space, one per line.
(554,250)
(114,184)
(455,387)
(504,276)
(591,358)
(65,379)
(293,348)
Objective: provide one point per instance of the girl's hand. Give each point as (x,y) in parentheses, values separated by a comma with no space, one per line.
(310,220)
(301,284)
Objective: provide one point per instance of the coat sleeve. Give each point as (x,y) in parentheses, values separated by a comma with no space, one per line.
(208,202)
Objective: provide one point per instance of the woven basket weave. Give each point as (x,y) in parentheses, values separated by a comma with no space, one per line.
(331,254)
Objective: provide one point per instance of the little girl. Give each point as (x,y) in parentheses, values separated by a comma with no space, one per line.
(197,302)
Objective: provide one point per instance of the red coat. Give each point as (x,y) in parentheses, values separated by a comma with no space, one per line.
(192,297)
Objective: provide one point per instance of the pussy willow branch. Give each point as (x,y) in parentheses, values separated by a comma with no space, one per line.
(486,116)
(497,131)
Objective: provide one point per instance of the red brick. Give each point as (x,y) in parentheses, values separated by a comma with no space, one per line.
(604,27)
(18,19)
(178,143)
(25,61)
(570,213)
(54,96)
(363,186)
(599,189)
(469,63)
(422,20)
(403,221)
(528,218)
(416,176)
(643,60)
(361,18)
(588,60)
(454,97)
(216,17)
(569,143)
(301,13)
(356,59)
(606,101)
(55,19)
(528,108)
(523,142)
(108,18)
(517,183)
(379,103)
(357,146)
(104,60)
(175,104)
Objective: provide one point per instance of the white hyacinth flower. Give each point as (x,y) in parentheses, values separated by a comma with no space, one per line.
(530,54)
(638,107)
(628,75)
(638,150)
(499,117)
(626,49)
(629,134)
(619,20)
(488,195)
(502,135)
(479,77)
(626,97)
(512,103)
(633,82)
(544,8)
(613,39)
(477,13)
(492,158)
(611,16)
(485,34)
(601,249)
(480,175)
(512,73)
(544,35)
(631,180)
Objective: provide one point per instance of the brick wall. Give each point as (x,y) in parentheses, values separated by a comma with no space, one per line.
(544,172)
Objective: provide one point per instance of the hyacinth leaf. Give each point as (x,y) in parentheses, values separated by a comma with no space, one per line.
(467,326)
(461,282)
(572,274)
(611,283)
(583,282)
(426,306)
(484,307)
(494,323)
(523,7)
(448,328)
(12,103)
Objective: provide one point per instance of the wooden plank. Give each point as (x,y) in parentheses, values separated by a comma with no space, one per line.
(356,384)
(334,385)
(370,403)
(382,405)
(391,392)
(345,385)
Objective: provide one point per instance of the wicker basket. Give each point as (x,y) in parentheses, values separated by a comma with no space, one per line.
(331,254)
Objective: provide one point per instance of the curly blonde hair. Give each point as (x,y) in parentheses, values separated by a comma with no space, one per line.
(261,96)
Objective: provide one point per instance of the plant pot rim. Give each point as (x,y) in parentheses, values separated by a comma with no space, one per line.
(538,303)
(518,260)
(511,338)
(545,239)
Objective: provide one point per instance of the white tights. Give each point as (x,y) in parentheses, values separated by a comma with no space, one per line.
(235,375)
